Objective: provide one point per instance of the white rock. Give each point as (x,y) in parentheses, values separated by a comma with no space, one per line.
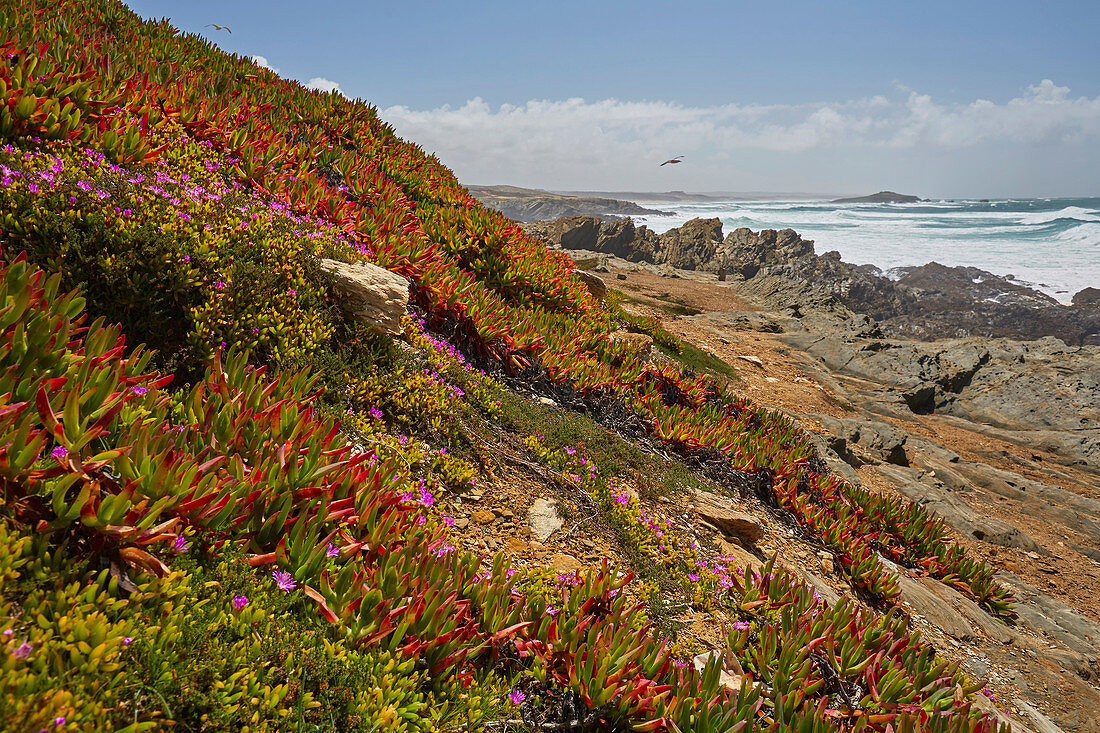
(372,296)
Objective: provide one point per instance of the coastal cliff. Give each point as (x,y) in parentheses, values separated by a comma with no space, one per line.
(527,204)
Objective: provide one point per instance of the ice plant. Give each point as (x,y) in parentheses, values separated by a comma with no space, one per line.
(284,580)
(240,601)
(516,697)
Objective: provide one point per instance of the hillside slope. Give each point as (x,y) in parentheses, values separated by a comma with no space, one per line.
(250,522)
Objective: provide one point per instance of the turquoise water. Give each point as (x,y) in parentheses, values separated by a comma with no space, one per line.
(1050,244)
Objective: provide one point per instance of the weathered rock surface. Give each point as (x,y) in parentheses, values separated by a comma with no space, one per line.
(597,288)
(719,512)
(643,342)
(543,519)
(372,296)
(857,439)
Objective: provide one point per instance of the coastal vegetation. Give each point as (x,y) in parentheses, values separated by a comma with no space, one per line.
(221,500)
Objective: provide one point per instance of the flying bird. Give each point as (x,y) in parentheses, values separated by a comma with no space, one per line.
(218,27)
(672,160)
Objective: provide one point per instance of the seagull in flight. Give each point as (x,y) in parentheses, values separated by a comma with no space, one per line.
(672,160)
(218,27)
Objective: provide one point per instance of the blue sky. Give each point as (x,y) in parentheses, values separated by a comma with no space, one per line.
(945,99)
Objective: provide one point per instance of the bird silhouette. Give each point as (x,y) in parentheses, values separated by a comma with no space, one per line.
(672,160)
(218,27)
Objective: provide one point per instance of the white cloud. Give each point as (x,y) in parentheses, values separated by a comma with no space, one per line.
(322,84)
(261,61)
(574,141)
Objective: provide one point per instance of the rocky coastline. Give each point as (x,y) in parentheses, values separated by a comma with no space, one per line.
(925,303)
(998,436)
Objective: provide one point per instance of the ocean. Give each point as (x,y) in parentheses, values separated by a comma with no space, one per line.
(1052,245)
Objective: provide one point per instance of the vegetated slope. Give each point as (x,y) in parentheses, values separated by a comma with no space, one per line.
(208,547)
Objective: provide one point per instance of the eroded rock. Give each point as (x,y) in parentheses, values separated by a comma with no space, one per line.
(371,296)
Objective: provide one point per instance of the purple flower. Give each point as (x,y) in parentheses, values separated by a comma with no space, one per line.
(128,641)
(240,601)
(569,450)
(740,626)
(375,413)
(284,580)
(426,498)
(59,720)
(292,291)
(219,285)
(59,452)
(516,697)
(8,632)
(622,498)
(187,258)
(332,550)
(693,577)
(449,521)
(180,545)
(22,651)
(140,390)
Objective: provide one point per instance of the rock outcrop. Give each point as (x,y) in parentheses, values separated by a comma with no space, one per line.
(370,295)
(929,302)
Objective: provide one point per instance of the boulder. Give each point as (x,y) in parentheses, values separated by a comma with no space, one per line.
(731,671)
(718,511)
(643,342)
(564,564)
(543,518)
(370,295)
(596,286)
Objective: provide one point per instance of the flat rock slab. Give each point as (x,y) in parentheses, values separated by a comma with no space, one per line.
(1043,724)
(969,610)
(934,608)
(543,518)
(372,296)
(719,512)
(563,563)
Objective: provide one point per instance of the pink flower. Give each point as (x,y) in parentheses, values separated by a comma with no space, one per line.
(332,550)
(693,577)
(622,498)
(449,521)
(516,697)
(22,651)
(180,545)
(740,626)
(140,390)
(128,641)
(426,498)
(284,580)
(375,413)
(59,452)
(240,601)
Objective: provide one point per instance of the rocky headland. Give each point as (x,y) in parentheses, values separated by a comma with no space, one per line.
(529,204)
(882,197)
